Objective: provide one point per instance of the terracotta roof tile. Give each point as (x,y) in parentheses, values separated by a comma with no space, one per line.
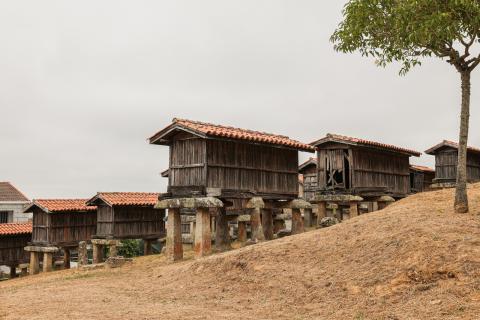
(362,142)
(61,205)
(451,144)
(213,130)
(15,228)
(9,193)
(421,168)
(127,198)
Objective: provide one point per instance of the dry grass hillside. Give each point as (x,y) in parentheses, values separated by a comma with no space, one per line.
(414,260)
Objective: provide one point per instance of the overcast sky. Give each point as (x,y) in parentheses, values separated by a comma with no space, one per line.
(84,84)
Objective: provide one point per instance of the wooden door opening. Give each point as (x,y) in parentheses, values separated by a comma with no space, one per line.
(337,165)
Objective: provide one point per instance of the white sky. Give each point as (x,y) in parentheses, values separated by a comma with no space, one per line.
(83,84)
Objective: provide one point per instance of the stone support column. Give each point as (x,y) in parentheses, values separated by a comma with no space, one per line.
(203,233)
(97,253)
(147,247)
(267,223)
(47,261)
(66,258)
(222,234)
(82,253)
(174,235)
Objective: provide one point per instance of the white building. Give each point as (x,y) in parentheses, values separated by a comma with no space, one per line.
(12,203)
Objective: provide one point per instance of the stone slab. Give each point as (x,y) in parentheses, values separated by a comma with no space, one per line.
(189,203)
(41,249)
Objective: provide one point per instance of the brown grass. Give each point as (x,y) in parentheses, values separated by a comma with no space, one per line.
(414,260)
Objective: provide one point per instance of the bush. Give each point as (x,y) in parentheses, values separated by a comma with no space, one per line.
(131,248)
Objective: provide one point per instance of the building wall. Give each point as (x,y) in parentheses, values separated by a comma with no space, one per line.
(17,214)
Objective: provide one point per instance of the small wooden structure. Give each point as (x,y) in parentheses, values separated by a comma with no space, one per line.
(421,178)
(347,165)
(13,238)
(59,224)
(126,215)
(310,181)
(446,160)
(225,169)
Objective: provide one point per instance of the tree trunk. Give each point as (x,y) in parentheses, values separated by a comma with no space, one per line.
(461,200)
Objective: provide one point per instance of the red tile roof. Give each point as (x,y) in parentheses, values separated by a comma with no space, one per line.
(61,205)
(213,130)
(451,144)
(9,193)
(15,228)
(421,168)
(126,198)
(361,142)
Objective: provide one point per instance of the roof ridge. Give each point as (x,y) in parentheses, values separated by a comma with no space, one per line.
(177,120)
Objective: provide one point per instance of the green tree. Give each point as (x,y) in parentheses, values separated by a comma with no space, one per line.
(406,31)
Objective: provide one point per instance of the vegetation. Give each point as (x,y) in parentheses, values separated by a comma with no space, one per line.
(130,248)
(407,31)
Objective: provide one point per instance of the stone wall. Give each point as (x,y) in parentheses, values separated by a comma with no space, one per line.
(17,208)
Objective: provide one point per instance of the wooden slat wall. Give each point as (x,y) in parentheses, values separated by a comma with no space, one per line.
(40,226)
(187,162)
(11,249)
(137,222)
(71,227)
(104,221)
(373,169)
(243,166)
(446,166)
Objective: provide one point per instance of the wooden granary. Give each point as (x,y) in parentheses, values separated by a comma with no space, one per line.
(126,215)
(421,178)
(308,170)
(59,224)
(13,239)
(347,165)
(446,161)
(218,168)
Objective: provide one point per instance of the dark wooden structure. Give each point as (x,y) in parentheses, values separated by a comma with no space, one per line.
(310,181)
(421,178)
(128,215)
(229,162)
(229,172)
(446,159)
(62,222)
(347,165)
(13,239)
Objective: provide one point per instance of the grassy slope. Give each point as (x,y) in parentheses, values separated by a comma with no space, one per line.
(414,260)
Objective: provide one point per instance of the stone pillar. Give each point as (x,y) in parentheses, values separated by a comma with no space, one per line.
(222,234)
(174,248)
(203,233)
(353,209)
(82,253)
(321,213)
(384,202)
(147,247)
(66,258)
(374,206)
(47,261)
(97,253)
(297,221)
(112,250)
(308,217)
(267,223)
(256,226)
(34,262)
(242,231)
(13,271)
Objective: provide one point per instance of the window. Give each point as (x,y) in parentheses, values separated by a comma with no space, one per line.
(4,216)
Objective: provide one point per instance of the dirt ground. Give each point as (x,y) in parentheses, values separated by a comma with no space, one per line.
(413,260)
